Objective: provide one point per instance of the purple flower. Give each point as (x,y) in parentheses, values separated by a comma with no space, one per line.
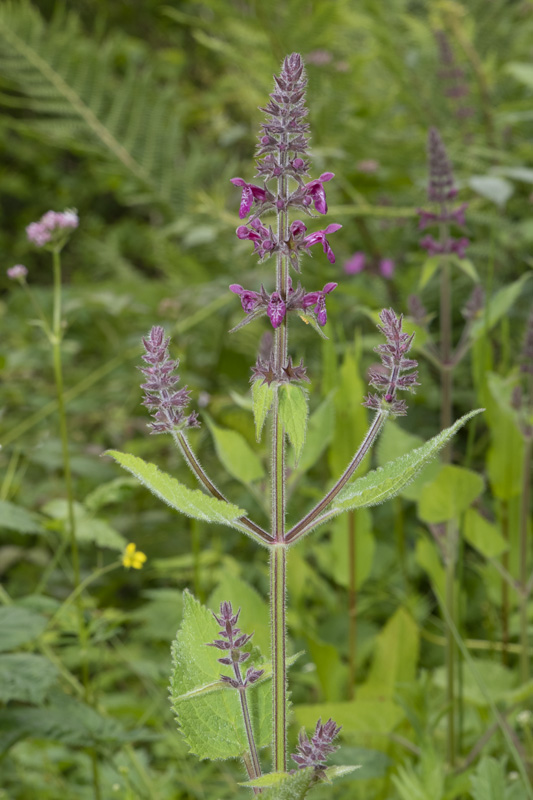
(389,378)
(250,192)
(314,193)
(318,301)
(264,240)
(166,405)
(276,309)
(52,226)
(18,272)
(235,641)
(320,236)
(249,300)
(355,264)
(450,245)
(314,753)
(387,267)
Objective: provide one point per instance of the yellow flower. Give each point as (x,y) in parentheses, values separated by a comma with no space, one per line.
(133,557)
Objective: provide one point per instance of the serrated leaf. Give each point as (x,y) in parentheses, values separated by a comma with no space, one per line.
(489,780)
(340,771)
(235,454)
(449,495)
(212,724)
(319,435)
(293,410)
(262,398)
(394,442)
(26,677)
(294,787)
(192,502)
(16,518)
(18,626)
(386,482)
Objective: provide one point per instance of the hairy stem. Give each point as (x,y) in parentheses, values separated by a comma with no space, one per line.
(278,569)
(314,518)
(251,527)
(352,602)
(255,766)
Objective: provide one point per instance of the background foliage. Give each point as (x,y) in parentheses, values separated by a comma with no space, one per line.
(137,115)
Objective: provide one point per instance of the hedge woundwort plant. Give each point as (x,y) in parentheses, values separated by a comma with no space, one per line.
(230,710)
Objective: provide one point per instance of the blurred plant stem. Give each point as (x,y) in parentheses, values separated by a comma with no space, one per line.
(56,340)
(524,553)
(504,515)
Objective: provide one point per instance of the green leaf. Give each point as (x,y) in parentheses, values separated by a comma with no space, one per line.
(395,442)
(26,677)
(490,779)
(192,502)
(493,188)
(483,535)
(330,670)
(293,411)
(19,626)
(395,657)
(309,319)
(522,72)
(212,724)
(109,493)
(333,554)
(428,557)
(88,528)
(340,771)
(262,399)
(16,518)
(235,454)
(270,779)
(362,716)
(466,266)
(319,435)
(506,452)
(429,268)
(351,417)
(293,787)
(498,306)
(449,495)
(383,483)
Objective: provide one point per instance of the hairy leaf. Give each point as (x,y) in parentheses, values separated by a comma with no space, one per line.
(262,398)
(212,724)
(192,502)
(383,483)
(293,411)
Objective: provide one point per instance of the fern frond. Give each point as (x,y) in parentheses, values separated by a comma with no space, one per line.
(67,86)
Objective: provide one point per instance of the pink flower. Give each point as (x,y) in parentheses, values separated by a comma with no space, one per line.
(320,236)
(250,192)
(318,300)
(249,299)
(276,309)
(314,193)
(355,264)
(18,272)
(50,226)
(387,267)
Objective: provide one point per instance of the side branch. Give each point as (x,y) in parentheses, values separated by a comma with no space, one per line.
(315,516)
(251,527)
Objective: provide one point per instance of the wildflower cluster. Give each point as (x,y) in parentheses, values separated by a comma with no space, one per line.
(453,78)
(393,357)
(360,261)
(314,752)
(17,273)
(442,190)
(232,643)
(283,168)
(53,228)
(166,404)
